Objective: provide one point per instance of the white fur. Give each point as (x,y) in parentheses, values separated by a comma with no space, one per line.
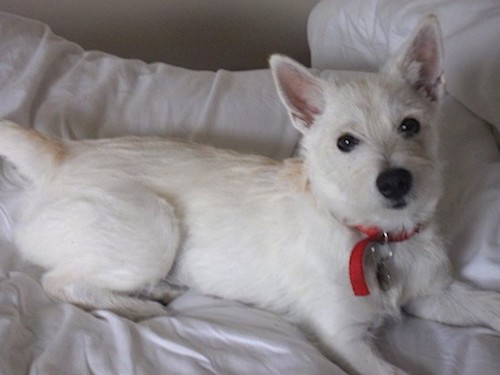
(108,218)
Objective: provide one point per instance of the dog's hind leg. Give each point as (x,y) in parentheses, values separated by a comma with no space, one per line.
(102,244)
(61,284)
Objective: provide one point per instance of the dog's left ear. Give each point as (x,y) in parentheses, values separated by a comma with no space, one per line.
(301,92)
(420,63)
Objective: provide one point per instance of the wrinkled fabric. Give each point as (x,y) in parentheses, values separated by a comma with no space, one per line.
(197,335)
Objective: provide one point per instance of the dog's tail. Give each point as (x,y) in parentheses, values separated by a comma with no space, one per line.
(35,156)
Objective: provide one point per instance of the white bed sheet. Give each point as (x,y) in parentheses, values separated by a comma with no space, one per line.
(53,85)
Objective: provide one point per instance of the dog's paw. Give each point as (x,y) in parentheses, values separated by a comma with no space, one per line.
(141,311)
(162,293)
(148,311)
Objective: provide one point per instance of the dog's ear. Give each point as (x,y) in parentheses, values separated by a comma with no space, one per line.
(300,91)
(420,63)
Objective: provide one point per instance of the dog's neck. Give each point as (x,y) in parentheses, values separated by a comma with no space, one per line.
(377,234)
(294,172)
(373,235)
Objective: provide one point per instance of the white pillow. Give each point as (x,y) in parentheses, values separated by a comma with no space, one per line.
(55,86)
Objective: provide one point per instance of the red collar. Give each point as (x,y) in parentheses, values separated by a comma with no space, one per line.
(374,234)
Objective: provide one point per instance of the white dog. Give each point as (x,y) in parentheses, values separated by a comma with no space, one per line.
(336,239)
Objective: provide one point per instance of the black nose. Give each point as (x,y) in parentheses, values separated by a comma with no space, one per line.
(394,183)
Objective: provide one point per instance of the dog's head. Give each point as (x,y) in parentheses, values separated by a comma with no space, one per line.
(370,146)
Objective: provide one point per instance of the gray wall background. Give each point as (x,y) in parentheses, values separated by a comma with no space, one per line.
(197,34)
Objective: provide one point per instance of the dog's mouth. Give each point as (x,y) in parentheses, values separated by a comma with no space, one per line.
(398,204)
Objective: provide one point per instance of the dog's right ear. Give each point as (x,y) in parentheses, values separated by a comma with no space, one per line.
(300,91)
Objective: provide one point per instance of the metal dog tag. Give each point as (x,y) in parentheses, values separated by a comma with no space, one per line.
(382,255)
(383,276)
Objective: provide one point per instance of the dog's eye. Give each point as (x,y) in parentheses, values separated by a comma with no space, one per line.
(347,142)
(409,127)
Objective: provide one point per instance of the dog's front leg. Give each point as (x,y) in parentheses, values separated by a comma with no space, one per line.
(459,304)
(352,349)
